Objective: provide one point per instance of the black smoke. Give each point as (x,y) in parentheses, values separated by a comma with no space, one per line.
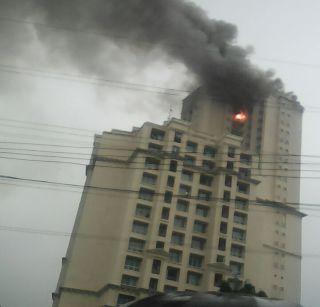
(179,28)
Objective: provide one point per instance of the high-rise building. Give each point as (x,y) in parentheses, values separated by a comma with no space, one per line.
(182,206)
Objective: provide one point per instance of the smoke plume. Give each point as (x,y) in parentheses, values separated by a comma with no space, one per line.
(177,27)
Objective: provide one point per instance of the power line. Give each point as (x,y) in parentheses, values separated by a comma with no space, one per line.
(119,190)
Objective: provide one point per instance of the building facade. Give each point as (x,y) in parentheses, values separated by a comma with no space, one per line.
(187,204)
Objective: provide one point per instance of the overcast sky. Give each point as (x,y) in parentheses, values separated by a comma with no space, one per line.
(36,86)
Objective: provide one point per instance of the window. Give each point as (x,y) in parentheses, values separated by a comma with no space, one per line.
(223,227)
(169,289)
(168,197)
(222,244)
(244,172)
(162,230)
(128,280)
(175,255)
(124,299)
(198,243)
(231,152)
(236,268)
(156,266)
(182,205)
(153,284)
(173,166)
(149,178)
(195,260)
(186,175)
(160,245)
(220,258)
(132,263)
(136,245)
(188,160)
(208,165)
(165,213)
(202,210)
(146,194)
(206,180)
(228,181)
(243,187)
(245,159)
(241,203)
(209,151)
(177,238)
(225,212)
(143,211)
(199,226)
(204,195)
(180,222)
(230,165)
(185,190)
(240,218)
(191,147)
(218,279)
(139,227)
(226,196)
(157,134)
(194,278)
(178,136)
(170,181)
(173,273)
(237,251)
(151,163)
(238,235)
(175,150)
(154,147)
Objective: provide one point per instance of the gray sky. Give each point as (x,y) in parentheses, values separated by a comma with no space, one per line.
(279,30)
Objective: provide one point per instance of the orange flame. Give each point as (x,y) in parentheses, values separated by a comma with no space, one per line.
(240,117)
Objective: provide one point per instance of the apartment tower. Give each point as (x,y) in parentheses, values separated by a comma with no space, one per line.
(182,206)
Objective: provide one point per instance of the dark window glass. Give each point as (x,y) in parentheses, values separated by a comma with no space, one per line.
(228,181)
(149,178)
(128,280)
(246,159)
(132,263)
(237,251)
(188,160)
(168,197)
(178,136)
(139,227)
(170,181)
(243,187)
(223,227)
(218,277)
(208,165)
(173,273)
(184,190)
(136,245)
(165,213)
(169,289)
(222,244)
(146,194)
(173,166)
(225,212)
(206,180)
(238,234)
(186,175)
(240,218)
(198,243)
(242,203)
(195,260)
(182,205)
(160,245)
(162,230)
(231,152)
(180,222)
(156,266)
(199,226)
(151,163)
(194,278)
(124,299)
(177,238)
(204,195)
(191,147)
(202,210)
(236,268)
(157,134)
(175,255)
(220,258)
(229,165)
(153,284)
(154,147)
(175,150)
(209,151)
(143,211)
(244,172)
(226,196)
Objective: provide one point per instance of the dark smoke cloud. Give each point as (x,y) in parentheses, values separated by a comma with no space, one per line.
(179,28)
